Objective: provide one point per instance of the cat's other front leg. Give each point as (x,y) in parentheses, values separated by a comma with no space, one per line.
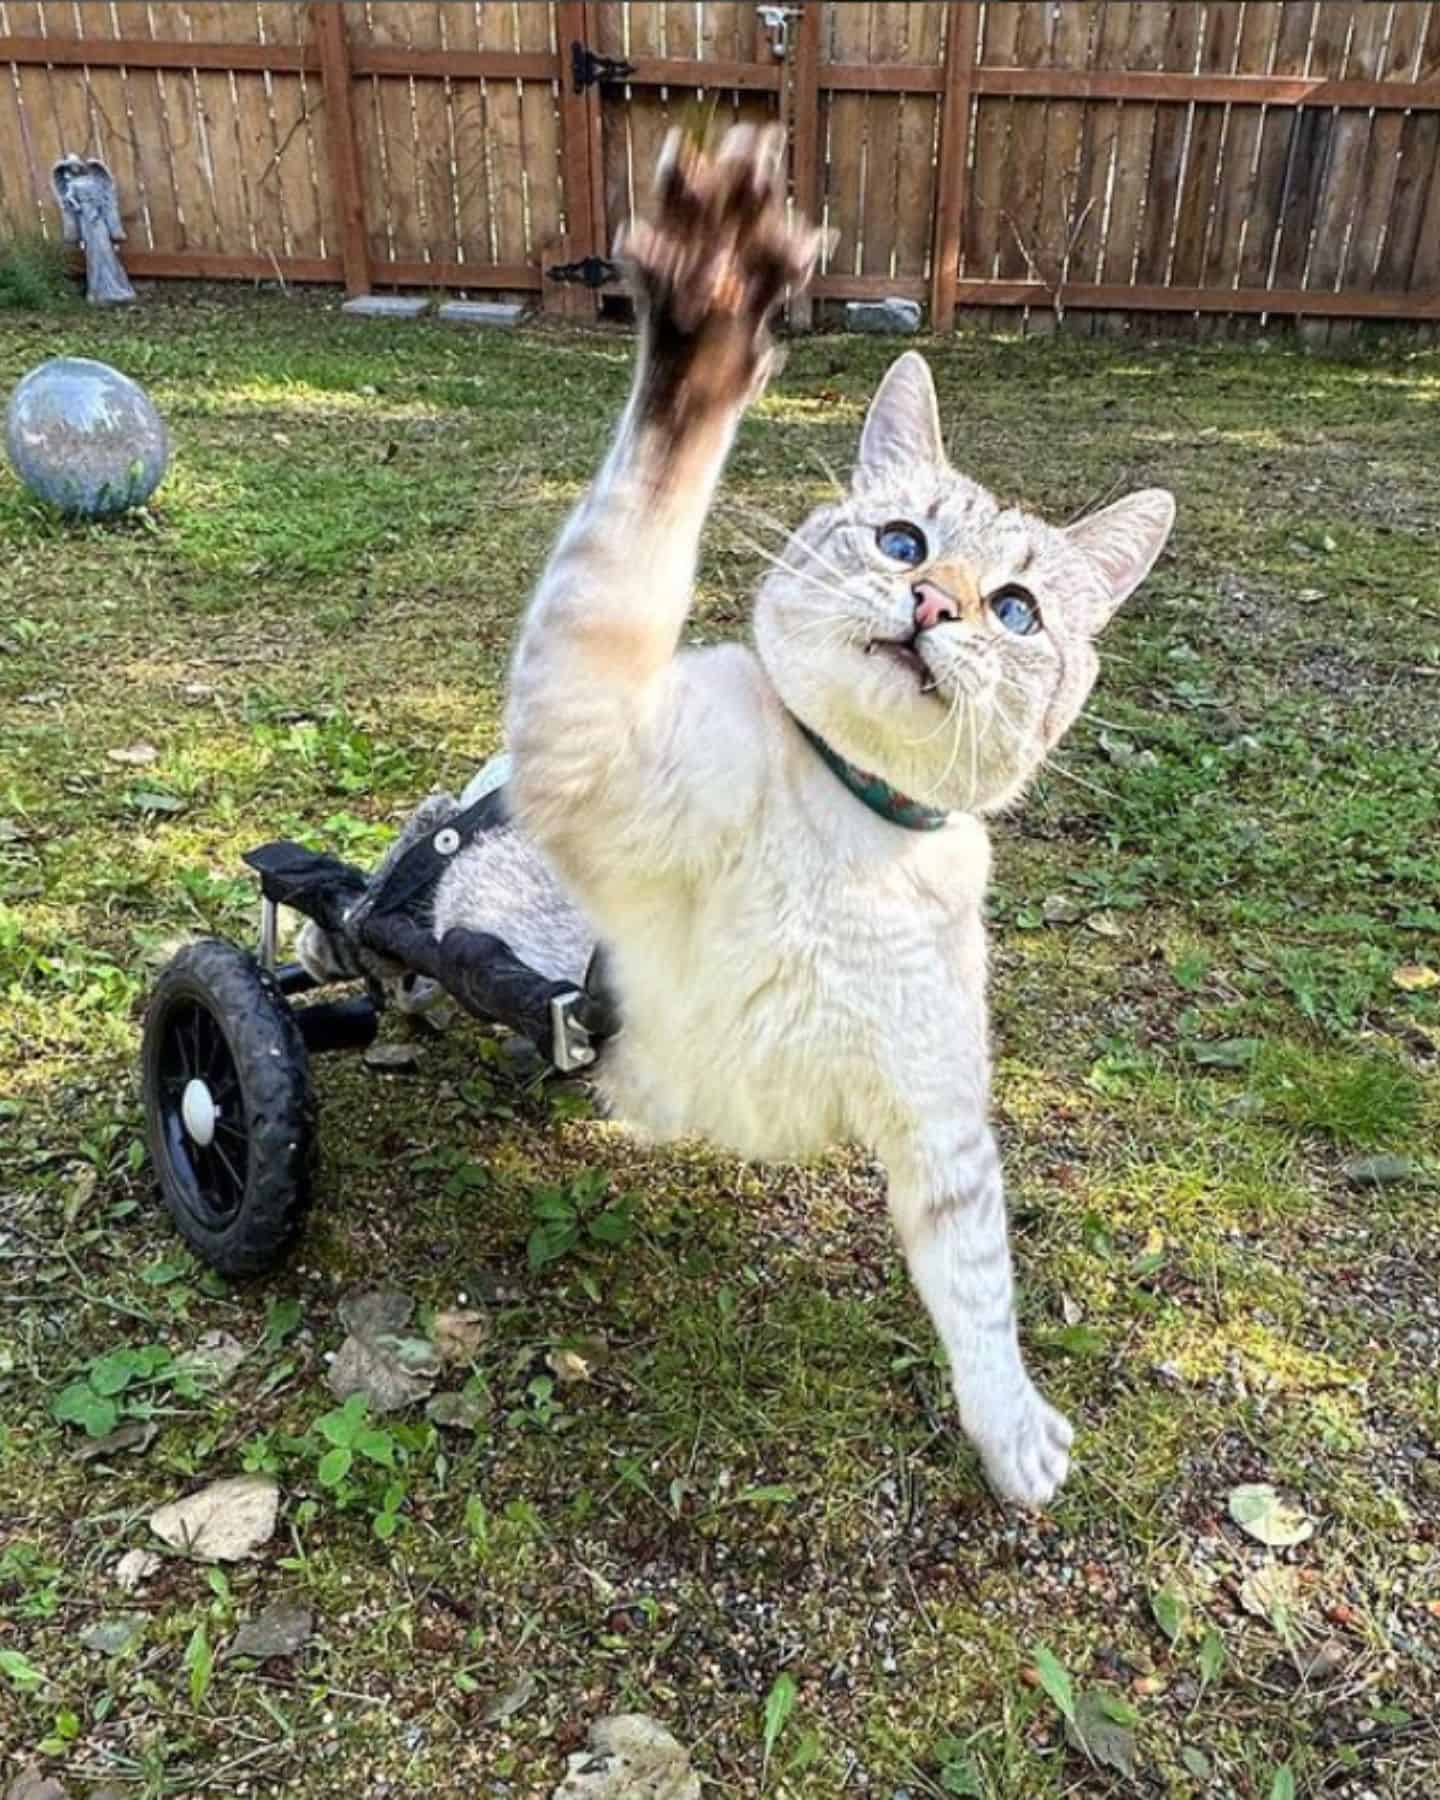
(947,1201)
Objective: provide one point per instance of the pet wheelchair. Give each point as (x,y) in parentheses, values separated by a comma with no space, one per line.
(229,1034)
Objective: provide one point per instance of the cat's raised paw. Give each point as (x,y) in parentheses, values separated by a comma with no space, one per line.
(710,265)
(1028,1458)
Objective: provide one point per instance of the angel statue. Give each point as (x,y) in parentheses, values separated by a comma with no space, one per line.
(91,215)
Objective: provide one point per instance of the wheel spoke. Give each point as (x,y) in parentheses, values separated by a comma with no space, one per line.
(236,1178)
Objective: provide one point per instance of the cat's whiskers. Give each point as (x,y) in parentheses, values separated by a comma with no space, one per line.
(757,515)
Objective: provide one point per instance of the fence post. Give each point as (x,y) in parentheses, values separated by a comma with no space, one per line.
(952,175)
(333,42)
(583,174)
(802,120)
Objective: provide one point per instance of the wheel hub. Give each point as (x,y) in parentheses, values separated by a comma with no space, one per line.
(198,1110)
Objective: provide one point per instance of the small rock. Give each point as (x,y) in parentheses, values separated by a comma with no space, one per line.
(31,1784)
(223,1522)
(384,306)
(630,1757)
(889,317)
(135,1568)
(1060,909)
(278,1631)
(396,1059)
(482,312)
(1376,1171)
(110,1636)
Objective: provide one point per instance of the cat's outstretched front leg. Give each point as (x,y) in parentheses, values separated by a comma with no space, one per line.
(948,1204)
(609,745)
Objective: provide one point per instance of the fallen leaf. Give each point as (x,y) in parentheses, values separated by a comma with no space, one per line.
(1103,924)
(1376,1171)
(461,1412)
(135,1568)
(134,756)
(1271,1592)
(278,1631)
(391,1372)
(1100,1735)
(1170,1610)
(459,1335)
(629,1755)
(1257,1509)
(1196,1761)
(82,1192)
(223,1522)
(1415,978)
(505,1706)
(1225,1053)
(1054,1677)
(215,1357)
(110,1636)
(134,1435)
(1060,909)
(372,1311)
(568,1365)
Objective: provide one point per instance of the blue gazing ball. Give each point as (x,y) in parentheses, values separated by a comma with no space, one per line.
(85,438)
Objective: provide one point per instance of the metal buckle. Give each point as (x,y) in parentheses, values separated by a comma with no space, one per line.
(571,1045)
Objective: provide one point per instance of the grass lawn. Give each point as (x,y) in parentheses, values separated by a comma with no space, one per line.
(712,1464)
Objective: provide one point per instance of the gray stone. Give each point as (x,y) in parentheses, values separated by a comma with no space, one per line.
(384,306)
(280,1630)
(887,317)
(483,312)
(629,1757)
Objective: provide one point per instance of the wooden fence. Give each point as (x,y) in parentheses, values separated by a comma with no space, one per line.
(1095,156)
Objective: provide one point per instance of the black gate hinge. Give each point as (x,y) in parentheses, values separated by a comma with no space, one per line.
(590,271)
(587,67)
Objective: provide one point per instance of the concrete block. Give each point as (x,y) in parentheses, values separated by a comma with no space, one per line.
(385,306)
(483,312)
(888,317)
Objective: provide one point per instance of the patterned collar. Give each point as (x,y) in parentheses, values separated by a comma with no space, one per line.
(876,793)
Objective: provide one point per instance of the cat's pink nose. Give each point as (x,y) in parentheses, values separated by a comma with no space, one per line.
(932,605)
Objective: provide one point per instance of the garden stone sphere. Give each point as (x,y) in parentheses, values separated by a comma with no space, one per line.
(85,438)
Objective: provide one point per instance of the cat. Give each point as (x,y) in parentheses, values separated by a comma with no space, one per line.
(780,845)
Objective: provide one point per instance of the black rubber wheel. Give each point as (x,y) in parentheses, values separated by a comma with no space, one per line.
(228,1111)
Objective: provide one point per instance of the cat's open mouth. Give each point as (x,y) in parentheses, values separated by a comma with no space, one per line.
(903,651)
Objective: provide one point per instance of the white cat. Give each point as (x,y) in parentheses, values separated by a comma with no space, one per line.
(797,944)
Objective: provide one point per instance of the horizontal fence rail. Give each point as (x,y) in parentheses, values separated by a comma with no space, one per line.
(1094,158)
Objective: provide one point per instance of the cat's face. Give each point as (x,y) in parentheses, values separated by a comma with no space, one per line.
(931,635)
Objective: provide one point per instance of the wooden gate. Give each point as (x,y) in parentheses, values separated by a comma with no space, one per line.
(1118,156)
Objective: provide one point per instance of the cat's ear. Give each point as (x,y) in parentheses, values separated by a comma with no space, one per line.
(1122,542)
(903,423)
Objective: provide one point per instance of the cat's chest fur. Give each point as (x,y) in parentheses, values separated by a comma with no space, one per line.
(807,986)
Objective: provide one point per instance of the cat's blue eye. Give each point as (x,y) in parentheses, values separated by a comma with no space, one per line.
(1016,610)
(903,542)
